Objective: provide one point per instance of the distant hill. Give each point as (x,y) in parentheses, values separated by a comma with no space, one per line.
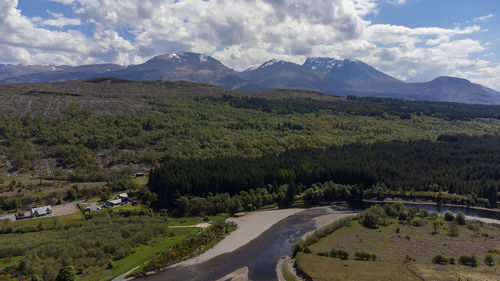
(323,74)
(175,67)
(64,74)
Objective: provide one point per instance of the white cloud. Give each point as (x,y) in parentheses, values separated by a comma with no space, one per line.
(63,1)
(57,20)
(241,34)
(397,2)
(484,18)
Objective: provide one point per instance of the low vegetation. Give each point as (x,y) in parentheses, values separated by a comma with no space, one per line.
(95,247)
(395,242)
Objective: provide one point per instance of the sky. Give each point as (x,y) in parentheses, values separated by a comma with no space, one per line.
(413,40)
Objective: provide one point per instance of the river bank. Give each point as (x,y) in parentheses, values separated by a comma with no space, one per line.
(430,203)
(250,226)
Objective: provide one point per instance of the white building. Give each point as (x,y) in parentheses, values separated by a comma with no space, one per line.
(41,211)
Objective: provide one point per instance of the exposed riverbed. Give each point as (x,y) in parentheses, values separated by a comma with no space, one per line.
(257,259)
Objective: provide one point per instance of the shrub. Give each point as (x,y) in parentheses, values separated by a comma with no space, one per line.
(423,213)
(488,259)
(460,218)
(334,253)
(468,260)
(343,254)
(449,216)
(66,273)
(474,227)
(439,259)
(417,222)
(297,248)
(451,260)
(372,217)
(453,229)
(365,256)
(110,265)
(435,226)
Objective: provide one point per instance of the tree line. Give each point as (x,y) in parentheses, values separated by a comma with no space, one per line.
(363,106)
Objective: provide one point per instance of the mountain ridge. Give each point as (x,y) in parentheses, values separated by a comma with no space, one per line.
(323,74)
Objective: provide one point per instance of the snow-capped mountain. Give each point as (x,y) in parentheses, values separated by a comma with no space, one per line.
(177,66)
(323,74)
(357,74)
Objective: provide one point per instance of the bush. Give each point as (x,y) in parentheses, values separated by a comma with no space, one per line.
(460,218)
(417,222)
(423,213)
(372,217)
(339,253)
(365,256)
(297,248)
(453,229)
(474,227)
(343,254)
(110,265)
(468,260)
(451,260)
(449,216)
(334,253)
(66,273)
(439,259)
(488,259)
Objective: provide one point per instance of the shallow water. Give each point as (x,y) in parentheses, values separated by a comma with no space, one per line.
(260,255)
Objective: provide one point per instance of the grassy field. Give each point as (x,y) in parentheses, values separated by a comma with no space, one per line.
(404,252)
(141,254)
(325,268)
(49,222)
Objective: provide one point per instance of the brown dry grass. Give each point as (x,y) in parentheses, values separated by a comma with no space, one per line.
(416,243)
(330,269)
(35,191)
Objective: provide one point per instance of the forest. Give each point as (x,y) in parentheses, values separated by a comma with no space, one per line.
(202,140)
(459,164)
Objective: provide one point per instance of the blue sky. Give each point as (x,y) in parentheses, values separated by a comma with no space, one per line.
(413,40)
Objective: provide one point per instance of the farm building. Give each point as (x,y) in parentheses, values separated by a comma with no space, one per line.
(112,203)
(41,211)
(122,196)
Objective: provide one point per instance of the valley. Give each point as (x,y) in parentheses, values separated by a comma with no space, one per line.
(208,153)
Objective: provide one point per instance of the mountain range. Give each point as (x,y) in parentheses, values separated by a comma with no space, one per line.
(323,74)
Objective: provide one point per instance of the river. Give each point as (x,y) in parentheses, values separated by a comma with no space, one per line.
(262,254)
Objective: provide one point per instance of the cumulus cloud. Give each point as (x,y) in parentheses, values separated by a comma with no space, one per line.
(240,33)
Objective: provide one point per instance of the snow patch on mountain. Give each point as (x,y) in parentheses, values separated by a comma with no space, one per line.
(326,65)
(203,58)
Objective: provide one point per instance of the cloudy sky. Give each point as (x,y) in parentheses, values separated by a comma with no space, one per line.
(414,40)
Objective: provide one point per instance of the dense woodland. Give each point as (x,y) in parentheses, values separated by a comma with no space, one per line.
(454,164)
